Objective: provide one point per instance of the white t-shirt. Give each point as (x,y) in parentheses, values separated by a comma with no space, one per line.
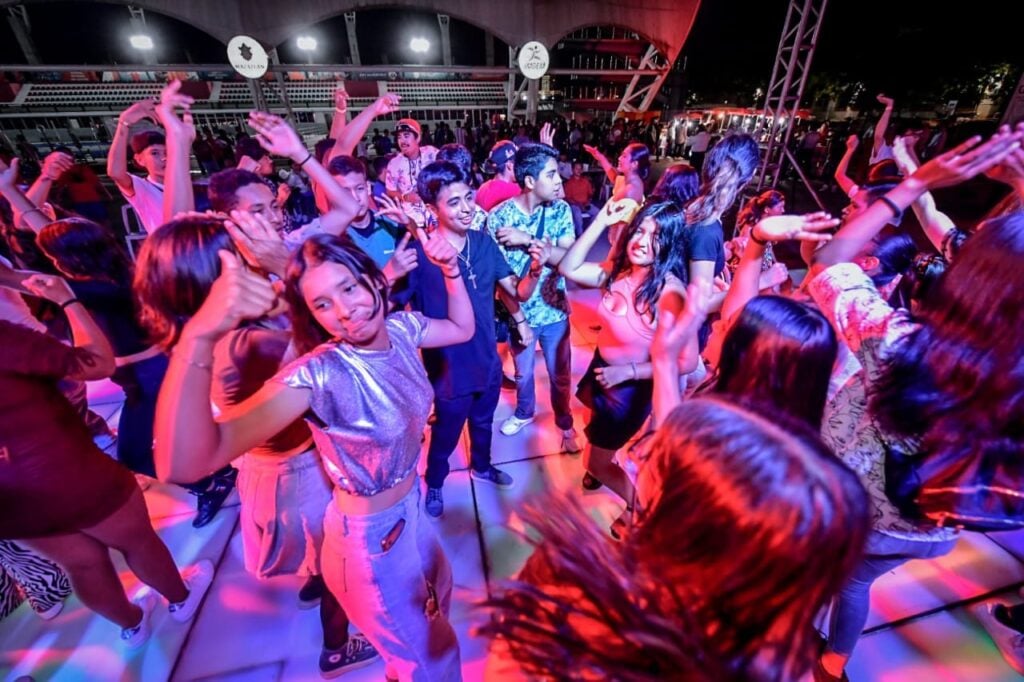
(148,202)
(401,176)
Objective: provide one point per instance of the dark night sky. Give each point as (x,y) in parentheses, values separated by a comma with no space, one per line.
(899,46)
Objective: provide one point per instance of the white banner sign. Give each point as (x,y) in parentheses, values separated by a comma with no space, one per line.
(533,59)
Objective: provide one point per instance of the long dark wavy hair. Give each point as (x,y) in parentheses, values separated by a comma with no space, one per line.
(85,250)
(727,168)
(641,155)
(176,268)
(956,384)
(748,526)
(670,258)
(780,353)
(679,183)
(754,210)
(327,248)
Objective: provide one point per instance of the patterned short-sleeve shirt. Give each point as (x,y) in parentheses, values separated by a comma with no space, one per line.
(548,304)
(870,328)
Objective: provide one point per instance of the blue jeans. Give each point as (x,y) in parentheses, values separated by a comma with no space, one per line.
(391,576)
(554,343)
(882,554)
(451,415)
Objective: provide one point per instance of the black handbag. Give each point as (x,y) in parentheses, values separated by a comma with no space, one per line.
(504,325)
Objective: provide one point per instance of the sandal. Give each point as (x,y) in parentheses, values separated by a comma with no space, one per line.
(620,526)
(591,483)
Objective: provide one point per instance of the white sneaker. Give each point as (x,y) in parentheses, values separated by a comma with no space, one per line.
(569,443)
(197,579)
(135,637)
(514,425)
(1009,642)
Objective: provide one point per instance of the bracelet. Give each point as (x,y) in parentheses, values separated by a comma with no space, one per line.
(758,241)
(519,321)
(896,212)
(190,361)
(70,301)
(305,160)
(457,275)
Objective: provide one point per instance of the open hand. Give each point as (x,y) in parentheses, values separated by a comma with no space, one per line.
(968,159)
(57,164)
(258,242)
(547,134)
(277,136)
(805,228)
(171,100)
(390,208)
(236,295)
(138,112)
(903,155)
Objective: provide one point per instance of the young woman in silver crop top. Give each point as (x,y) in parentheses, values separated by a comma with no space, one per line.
(362,388)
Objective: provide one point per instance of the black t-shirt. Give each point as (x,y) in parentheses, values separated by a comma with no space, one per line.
(706,241)
(466,367)
(113,309)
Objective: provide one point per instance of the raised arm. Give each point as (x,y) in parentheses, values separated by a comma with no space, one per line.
(882,125)
(842,168)
(460,324)
(25,212)
(347,139)
(340,119)
(181,133)
(675,332)
(935,223)
(189,443)
(117,157)
(603,161)
(957,165)
(574,265)
(85,334)
(54,165)
(278,137)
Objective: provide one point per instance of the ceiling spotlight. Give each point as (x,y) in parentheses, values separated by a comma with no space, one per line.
(141,42)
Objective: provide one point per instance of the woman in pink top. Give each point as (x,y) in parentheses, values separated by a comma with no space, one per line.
(645,265)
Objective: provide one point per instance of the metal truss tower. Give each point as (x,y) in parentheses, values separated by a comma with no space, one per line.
(786,88)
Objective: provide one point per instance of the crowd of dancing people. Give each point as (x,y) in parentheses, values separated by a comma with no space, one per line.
(778,438)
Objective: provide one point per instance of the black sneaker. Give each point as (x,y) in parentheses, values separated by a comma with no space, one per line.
(211,499)
(435,502)
(358,652)
(494,476)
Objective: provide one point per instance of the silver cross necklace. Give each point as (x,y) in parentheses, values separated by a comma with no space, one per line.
(470,275)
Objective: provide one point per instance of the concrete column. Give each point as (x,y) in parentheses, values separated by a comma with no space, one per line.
(353,44)
(446,41)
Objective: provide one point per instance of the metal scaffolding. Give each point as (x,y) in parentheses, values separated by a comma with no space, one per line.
(786,88)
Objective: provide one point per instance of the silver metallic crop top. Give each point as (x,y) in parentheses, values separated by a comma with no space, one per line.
(369,408)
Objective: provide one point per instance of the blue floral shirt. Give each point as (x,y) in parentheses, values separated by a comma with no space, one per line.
(548,304)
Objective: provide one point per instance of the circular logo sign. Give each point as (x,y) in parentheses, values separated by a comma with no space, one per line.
(533,59)
(247,56)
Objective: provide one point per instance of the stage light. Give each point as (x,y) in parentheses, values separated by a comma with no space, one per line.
(307,43)
(141,42)
(420,45)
